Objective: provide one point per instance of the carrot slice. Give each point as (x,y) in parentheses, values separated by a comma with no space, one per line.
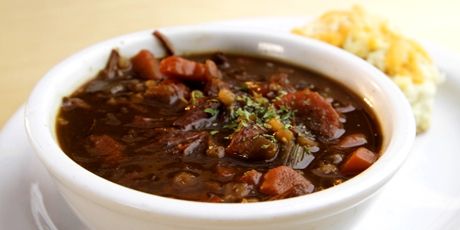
(358,161)
(145,64)
(282,179)
(183,69)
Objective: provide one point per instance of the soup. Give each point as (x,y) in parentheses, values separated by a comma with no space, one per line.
(217,127)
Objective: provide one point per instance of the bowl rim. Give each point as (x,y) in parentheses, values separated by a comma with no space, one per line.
(109,194)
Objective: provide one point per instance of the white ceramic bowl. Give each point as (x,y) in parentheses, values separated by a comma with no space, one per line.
(102,204)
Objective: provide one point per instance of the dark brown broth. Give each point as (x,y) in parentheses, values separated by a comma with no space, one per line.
(152,169)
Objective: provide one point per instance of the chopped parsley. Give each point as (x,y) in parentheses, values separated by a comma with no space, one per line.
(213,112)
(256,110)
(195,95)
(266,146)
(213,132)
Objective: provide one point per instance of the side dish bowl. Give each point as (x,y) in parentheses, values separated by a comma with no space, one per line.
(102,204)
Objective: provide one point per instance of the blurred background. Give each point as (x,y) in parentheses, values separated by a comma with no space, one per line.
(37,34)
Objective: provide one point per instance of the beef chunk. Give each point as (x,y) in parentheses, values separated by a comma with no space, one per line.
(177,142)
(314,111)
(250,143)
(199,117)
(106,148)
(167,92)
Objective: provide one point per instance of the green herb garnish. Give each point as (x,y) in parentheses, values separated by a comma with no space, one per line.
(257,110)
(195,95)
(213,132)
(213,112)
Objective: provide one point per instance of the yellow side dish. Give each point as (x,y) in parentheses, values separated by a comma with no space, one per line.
(373,39)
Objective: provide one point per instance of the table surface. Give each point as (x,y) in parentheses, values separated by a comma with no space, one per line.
(38,34)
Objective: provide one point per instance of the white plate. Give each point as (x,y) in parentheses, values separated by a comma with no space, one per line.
(424,194)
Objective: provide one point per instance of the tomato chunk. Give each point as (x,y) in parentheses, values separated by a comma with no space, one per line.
(282,179)
(145,64)
(183,69)
(358,161)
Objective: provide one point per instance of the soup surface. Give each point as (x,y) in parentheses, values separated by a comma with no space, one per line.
(217,128)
